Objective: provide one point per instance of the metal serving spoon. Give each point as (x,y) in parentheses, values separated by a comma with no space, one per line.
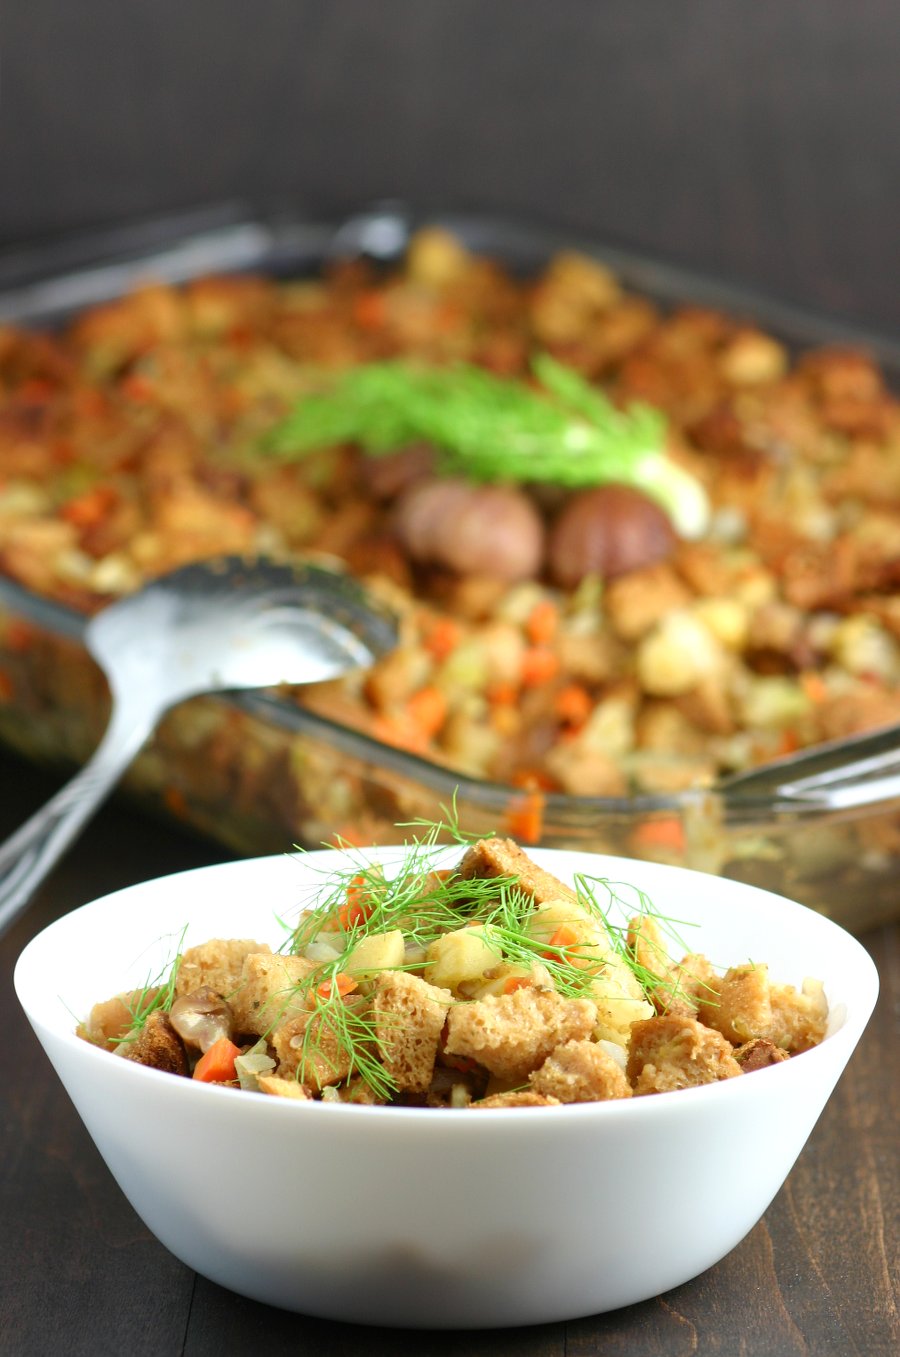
(217,625)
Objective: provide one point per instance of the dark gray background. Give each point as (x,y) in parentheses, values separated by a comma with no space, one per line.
(759,139)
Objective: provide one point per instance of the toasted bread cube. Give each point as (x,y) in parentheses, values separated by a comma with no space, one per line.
(799,1019)
(215,964)
(110,1020)
(523,1097)
(580,1072)
(266,993)
(409,1019)
(157,1045)
(358,1090)
(503,857)
(697,985)
(315,1057)
(277,1087)
(646,943)
(744,1006)
(511,1034)
(759,1054)
(671,1052)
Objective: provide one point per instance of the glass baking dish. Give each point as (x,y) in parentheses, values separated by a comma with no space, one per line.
(259,773)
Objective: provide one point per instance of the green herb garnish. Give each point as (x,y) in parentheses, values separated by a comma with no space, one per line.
(154,996)
(425,903)
(494,429)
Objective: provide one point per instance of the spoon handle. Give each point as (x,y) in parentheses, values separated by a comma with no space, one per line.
(32,850)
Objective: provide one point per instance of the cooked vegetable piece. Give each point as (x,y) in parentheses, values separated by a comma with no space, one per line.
(216,1066)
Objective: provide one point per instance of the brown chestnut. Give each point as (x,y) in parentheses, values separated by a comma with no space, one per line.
(607,531)
(492,530)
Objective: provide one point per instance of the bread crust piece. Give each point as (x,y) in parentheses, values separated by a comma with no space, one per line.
(749,1006)
(326,1061)
(671,1052)
(264,995)
(759,1054)
(522,1097)
(216,964)
(513,1034)
(277,1087)
(580,1072)
(490,858)
(157,1045)
(409,1019)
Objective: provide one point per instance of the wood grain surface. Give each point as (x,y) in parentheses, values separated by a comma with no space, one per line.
(79,1274)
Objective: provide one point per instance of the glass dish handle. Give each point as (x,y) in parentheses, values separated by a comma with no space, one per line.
(847,775)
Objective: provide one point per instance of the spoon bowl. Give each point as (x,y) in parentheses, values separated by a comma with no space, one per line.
(216,625)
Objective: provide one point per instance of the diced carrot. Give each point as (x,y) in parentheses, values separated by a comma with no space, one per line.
(89,402)
(91,507)
(343,983)
(502,694)
(539,665)
(533,780)
(427,709)
(666,832)
(525,817)
(442,637)
(216,1066)
(402,733)
(35,390)
(63,452)
(789,742)
(464,1063)
(573,704)
(240,336)
(357,907)
(542,623)
(564,936)
(137,388)
(516,982)
(369,310)
(813,686)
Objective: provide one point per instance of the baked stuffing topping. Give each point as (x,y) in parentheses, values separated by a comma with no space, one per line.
(489,984)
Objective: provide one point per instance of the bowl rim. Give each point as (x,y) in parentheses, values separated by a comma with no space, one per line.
(837,1046)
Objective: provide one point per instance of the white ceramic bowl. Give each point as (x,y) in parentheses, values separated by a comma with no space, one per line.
(444,1219)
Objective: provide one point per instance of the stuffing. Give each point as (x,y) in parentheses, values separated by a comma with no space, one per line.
(111,1019)
(277,1087)
(215,965)
(491,984)
(266,991)
(517,1098)
(580,1072)
(512,1034)
(309,1050)
(749,1006)
(409,1018)
(502,857)
(672,1052)
(758,1054)
(157,1045)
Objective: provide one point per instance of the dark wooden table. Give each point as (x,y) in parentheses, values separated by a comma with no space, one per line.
(79,1273)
